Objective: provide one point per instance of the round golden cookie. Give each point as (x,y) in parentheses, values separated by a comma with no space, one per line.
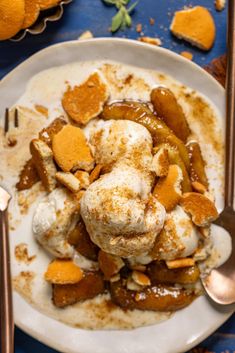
(11,17)
(32,11)
(47,4)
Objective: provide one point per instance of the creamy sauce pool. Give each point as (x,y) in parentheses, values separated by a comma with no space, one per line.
(45,91)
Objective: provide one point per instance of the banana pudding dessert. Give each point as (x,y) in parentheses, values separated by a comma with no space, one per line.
(126,208)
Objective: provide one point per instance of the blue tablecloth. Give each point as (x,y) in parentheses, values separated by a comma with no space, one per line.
(92,15)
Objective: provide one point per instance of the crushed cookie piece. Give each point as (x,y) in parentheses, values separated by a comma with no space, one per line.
(187,55)
(115,278)
(41,109)
(140,278)
(95,173)
(47,133)
(138,28)
(68,180)
(202,210)
(83,177)
(195,25)
(42,157)
(160,163)
(180,263)
(71,151)
(78,195)
(205,231)
(62,271)
(220,5)
(86,35)
(85,102)
(132,285)
(150,40)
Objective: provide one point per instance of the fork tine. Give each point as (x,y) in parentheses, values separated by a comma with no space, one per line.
(16,118)
(6,124)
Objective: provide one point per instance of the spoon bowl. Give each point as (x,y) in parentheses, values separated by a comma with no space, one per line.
(220,284)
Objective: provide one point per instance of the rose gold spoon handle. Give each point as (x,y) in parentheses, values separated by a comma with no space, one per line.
(220,284)
(7,323)
(230,106)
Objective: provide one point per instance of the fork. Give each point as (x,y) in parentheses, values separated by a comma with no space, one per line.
(6,322)
(220,284)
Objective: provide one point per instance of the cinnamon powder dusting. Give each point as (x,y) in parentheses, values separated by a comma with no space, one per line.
(22,283)
(22,255)
(201,111)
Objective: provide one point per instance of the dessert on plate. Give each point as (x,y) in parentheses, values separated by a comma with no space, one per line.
(119,170)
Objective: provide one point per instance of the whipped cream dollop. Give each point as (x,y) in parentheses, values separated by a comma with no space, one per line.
(217,250)
(116,142)
(120,215)
(179,238)
(54,217)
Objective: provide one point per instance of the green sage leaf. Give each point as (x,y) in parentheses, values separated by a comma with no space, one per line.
(131,8)
(128,20)
(117,21)
(109,2)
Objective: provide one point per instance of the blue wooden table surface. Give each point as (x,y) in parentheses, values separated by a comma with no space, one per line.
(92,15)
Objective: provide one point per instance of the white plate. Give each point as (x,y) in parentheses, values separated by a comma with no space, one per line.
(187,327)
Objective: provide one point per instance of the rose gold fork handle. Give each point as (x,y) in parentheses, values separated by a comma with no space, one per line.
(230,108)
(7,323)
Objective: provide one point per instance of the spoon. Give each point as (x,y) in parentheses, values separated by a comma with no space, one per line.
(220,284)
(6,317)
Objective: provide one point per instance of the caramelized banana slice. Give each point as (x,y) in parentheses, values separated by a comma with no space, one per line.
(141,114)
(197,164)
(89,287)
(109,264)
(80,239)
(157,298)
(167,107)
(174,158)
(159,273)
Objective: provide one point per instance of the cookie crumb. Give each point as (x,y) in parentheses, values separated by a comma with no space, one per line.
(86,35)
(150,40)
(187,55)
(22,255)
(138,28)
(220,5)
(152,21)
